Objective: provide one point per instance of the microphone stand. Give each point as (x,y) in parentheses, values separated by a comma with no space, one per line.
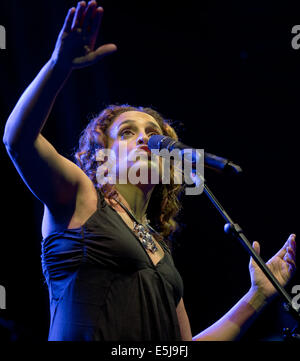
(234,230)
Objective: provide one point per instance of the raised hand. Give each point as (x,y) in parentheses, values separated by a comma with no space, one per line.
(75,46)
(282,265)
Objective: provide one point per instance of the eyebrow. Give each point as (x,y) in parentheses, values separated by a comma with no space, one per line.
(130,121)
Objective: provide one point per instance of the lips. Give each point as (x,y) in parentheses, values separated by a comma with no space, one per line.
(144,148)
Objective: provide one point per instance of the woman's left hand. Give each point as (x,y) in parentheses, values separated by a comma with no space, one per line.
(282,265)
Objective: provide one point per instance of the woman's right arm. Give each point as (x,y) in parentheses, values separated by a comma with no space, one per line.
(51,177)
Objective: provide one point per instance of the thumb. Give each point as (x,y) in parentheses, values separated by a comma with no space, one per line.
(103,50)
(93,56)
(256,247)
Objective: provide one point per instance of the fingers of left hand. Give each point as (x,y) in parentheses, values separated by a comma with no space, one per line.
(88,16)
(290,257)
(289,244)
(77,19)
(292,241)
(291,251)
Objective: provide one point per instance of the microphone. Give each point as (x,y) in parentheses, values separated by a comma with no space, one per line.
(211,161)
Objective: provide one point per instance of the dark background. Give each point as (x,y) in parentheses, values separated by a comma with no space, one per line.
(228,72)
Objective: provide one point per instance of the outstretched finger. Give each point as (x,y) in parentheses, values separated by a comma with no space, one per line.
(95,24)
(77,20)
(68,21)
(88,15)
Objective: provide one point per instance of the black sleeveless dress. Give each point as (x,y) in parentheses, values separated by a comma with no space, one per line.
(104,286)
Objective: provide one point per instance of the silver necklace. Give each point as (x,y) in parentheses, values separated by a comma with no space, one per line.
(142,231)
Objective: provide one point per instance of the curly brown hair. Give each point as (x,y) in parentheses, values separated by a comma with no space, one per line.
(164,204)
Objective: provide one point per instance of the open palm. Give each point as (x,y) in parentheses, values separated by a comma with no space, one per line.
(75,46)
(282,265)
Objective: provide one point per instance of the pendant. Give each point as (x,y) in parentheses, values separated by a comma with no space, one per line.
(145,237)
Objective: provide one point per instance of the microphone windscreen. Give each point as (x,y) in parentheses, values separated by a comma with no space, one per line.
(154,141)
(159,142)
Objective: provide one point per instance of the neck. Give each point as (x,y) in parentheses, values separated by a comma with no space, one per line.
(135,198)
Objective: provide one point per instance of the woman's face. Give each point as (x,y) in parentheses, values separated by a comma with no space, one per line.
(128,136)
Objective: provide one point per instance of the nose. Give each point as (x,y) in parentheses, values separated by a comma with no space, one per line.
(142,139)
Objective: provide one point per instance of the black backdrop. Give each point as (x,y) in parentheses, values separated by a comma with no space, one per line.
(228,72)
